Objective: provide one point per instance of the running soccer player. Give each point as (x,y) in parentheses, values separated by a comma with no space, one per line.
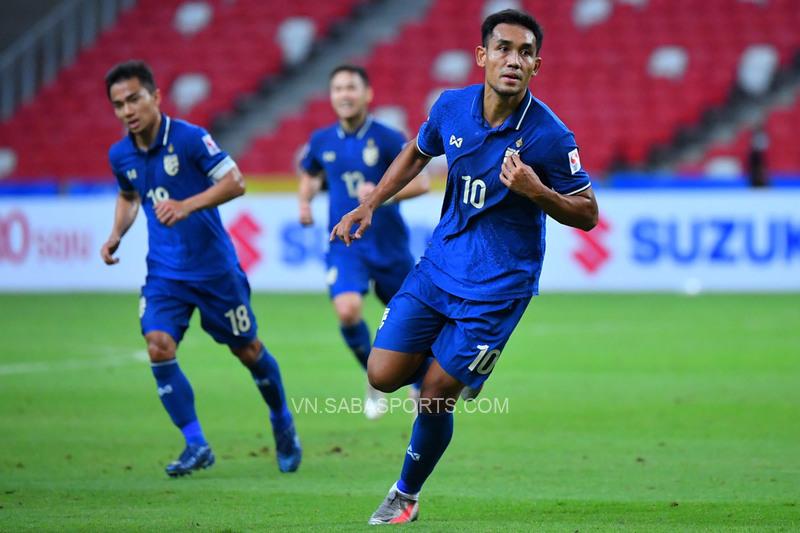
(352,155)
(511,161)
(179,175)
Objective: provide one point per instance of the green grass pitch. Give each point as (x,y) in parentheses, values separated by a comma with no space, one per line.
(624,412)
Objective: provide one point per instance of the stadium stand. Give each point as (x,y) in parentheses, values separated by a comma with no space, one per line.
(624,75)
(205,55)
(728,158)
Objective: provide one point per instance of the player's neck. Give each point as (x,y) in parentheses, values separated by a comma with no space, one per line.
(353,124)
(497,108)
(144,140)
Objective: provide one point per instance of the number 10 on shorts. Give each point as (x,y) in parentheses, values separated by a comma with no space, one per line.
(484,363)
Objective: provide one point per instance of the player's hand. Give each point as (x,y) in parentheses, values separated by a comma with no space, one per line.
(361,215)
(108,249)
(520,177)
(364,189)
(170,212)
(306,218)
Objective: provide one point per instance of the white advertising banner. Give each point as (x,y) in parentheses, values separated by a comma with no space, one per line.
(688,241)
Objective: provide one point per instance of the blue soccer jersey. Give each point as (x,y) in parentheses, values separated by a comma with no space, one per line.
(347,160)
(183,161)
(489,244)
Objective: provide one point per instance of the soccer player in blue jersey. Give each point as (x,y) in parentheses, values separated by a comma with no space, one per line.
(352,155)
(511,162)
(178,174)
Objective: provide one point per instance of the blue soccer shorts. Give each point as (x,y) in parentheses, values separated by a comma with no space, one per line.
(466,336)
(350,270)
(224,304)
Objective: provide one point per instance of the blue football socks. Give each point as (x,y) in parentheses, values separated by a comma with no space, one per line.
(429,440)
(178,398)
(267,376)
(358,340)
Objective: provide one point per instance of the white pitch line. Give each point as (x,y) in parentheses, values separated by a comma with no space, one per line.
(72,364)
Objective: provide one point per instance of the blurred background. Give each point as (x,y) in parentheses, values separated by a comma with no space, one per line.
(684,111)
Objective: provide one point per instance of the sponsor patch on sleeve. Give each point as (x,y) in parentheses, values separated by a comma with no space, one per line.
(211,146)
(574,161)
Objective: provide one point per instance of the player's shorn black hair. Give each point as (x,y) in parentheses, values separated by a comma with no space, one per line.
(128,70)
(355,69)
(517,18)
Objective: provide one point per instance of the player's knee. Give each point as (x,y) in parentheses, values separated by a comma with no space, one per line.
(348,311)
(382,380)
(249,353)
(160,348)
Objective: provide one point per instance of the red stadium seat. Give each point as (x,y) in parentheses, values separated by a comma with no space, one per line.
(595,78)
(69,125)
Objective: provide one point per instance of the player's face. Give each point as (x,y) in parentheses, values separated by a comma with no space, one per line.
(134,105)
(509,59)
(350,96)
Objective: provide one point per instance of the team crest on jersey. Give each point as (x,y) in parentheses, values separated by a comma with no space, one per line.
(131,174)
(171,164)
(329,156)
(370,153)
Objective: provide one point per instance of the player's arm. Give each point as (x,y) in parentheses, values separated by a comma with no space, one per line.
(403,169)
(308,189)
(230,186)
(577,210)
(419,185)
(124,215)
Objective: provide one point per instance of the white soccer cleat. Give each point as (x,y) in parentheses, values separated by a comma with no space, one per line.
(397,508)
(375,405)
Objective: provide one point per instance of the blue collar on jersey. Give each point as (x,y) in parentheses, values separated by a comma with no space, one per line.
(359,133)
(513,121)
(162,136)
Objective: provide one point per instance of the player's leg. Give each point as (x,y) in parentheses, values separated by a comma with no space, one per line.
(355,332)
(227,316)
(348,307)
(164,316)
(432,432)
(409,326)
(388,280)
(389,370)
(267,376)
(348,280)
(466,351)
